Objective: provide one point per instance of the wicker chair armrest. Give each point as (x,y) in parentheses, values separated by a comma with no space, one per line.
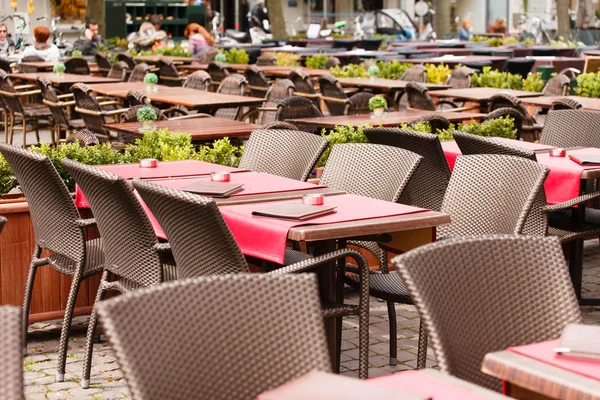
(191,116)
(30,86)
(534,127)
(101,98)
(162,247)
(173,78)
(7,94)
(258,88)
(67,103)
(308,95)
(312,263)
(573,202)
(88,112)
(334,99)
(447,102)
(109,103)
(64,96)
(353,269)
(350,90)
(28,93)
(85,222)
(459,109)
(115,112)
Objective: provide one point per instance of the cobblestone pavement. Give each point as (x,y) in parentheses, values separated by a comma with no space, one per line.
(107,380)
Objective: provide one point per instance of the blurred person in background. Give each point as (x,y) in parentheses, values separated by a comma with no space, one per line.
(199,40)
(5,41)
(585,14)
(41,48)
(466,29)
(90,40)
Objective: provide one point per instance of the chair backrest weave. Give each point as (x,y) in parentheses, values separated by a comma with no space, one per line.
(235,84)
(118,71)
(11,358)
(331,87)
(48,93)
(86,99)
(418,97)
(416,73)
(358,103)
(571,128)
(12,103)
(556,86)
(302,81)
(127,59)
(139,72)
(199,80)
(77,65)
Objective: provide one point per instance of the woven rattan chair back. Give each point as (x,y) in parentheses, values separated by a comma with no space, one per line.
(218,71)
(470,144)
(428,184)
(199,80)
(331,87)
(209,55)
(503,112)
(253,331)
(514,290)
(131,114)
(128,238)
(566,104)
(298,107)
(118,71)
(12,103)
(128,59)
(358,103)
(460,78)
(86,99)
(266,59)
(556,86)
(137,98)
(504,100)
(84,137)
(280,90)
(257,81)
(435,121)
(201,241)
(371,170)
(280,125)
(11,359)
(289,153)
(418,97)
(332,62)
(59,114)
(53,213)
(26,68)
(235,84)
(169,76)
(77,65)
(139,72)
(478,207)
(302,81)
(571,128)
(416,73)
(104,64)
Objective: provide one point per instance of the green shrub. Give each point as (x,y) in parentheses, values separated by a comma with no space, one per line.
(528,42)
(437,73)
(534,82)
(418,127)
(377,102)
(499,127)
(348,71)
(497,79)
(342,134)
(76,53)
(285,59)
(373,70)
(477,38)
(392,69)
(150,79)
(235,56)
(495,42)
(510,40)
(222,152)
(565,43)
(59,67)
(176,51)
(146,114)
(118,42)
(588,85)
(317,61)
(221,57)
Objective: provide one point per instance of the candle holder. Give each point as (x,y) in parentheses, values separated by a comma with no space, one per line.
(313,199)
(557,152)
(148,163)
(220,176)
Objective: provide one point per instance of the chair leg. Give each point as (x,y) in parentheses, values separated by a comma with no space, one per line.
(28,292)
(64,332)
(89,344)
(5,127)
(12,127)
(37,131)
(24,145)
(393,333)
(422,350)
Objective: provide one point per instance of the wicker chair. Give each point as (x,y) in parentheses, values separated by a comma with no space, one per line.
(234,84)
(5,65)
(84,137)
(521,67)
(416,73)
(169,76)
(133,253)
(419,99)
(118,71)
(566,104)
(298,107)
(131,114)
(333,94)
(436,122)
(199,80)
(139,72)
(266,59)
(280,125)
(358,103)
(104,64)
(59,229)
(128,59)
(203,245)
(503,112)
(57,105)
(287,153)
(254,332)
(19,110)
(514,290)
(332,62)
(280,90)
(530,127)
(26,68)
(209,55)
(571,128)
(136,98)
(460,78)
(218,71)
(257,82)
(11,360)
(558,85)
(304,86)
(91,110)
(77,65)
(472,144)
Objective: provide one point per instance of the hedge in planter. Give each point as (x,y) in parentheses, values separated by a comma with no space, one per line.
(497,79)
(499,127)
(588,85)
(342,134)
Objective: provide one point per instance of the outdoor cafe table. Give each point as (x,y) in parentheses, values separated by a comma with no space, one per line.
(481,95)
(559,63)
(389,119)
(45,66)
(65,79)
(356,216)
(199,129)
(191,98)
(156,59)
(269,70)
(535,371)
(588,103)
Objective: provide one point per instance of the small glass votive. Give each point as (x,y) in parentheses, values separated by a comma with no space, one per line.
(220,176)
(313,199)
(557,152)
(148,163)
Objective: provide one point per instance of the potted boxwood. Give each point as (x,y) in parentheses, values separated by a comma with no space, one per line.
(59,69)
(150,80)
(373,72)
(221,57)
(377,104)
(147,116)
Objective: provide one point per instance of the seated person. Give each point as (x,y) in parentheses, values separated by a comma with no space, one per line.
(199,40)
(148,37)
(41,48)
(89,41)
(5,41)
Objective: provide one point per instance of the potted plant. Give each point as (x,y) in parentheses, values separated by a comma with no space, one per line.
(147,116)
(221,57)
(150,80)
(373,72)
(76,53)
(377,104)
(59,69)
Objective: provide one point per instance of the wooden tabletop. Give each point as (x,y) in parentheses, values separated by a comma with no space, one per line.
(385,84)
(588,103)
(48,66)
(157,58)
(177,95)
(523,372)
(65,79)
(269,70)
(390,119)
(479,94)
(199,129)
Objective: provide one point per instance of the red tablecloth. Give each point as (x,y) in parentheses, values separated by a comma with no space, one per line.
(543,352)
(426,385)
(265,237)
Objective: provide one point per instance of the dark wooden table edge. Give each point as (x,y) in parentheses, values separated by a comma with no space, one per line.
(210,136)
(531,374)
